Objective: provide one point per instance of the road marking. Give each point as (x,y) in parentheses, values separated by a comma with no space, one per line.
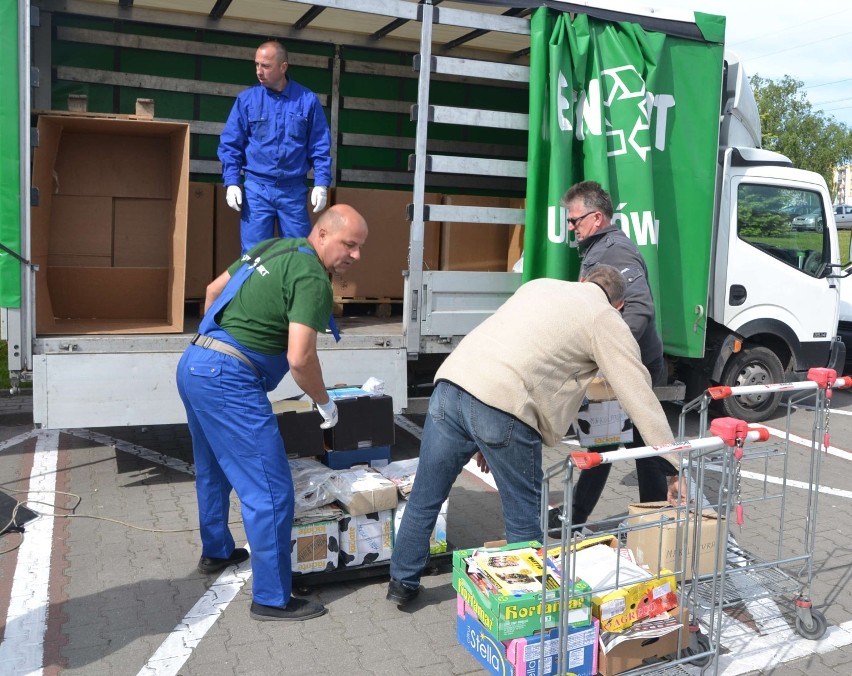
(176,649)
(831,450)
(14,441)
(22,649)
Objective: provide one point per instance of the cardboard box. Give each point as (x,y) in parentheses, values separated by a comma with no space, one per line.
(438,538)
(659,546)
(314,547)
(507,617)
(109,232)
(603,423)
(600,390)
(375,456)
(477,247)
(522,656)
(364,420)
(638,595)
(384,257)
(366,538)
(199,239)
(226,233)
(632,653)
(301,432)
(362,491)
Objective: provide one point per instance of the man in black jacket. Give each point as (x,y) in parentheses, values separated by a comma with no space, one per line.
(599,241)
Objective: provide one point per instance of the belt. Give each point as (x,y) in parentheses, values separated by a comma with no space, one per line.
(210,343)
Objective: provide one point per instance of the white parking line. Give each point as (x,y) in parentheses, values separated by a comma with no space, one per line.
(176,649)
(22,649)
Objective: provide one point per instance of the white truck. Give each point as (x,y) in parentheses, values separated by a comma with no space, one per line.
(771,309)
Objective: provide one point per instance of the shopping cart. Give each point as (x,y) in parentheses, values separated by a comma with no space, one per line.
(771,566)
(670,584)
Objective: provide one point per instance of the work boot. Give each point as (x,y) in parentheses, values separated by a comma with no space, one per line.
(296,610)
(210,564)
(401,595)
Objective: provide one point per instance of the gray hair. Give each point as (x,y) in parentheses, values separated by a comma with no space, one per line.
(592,195)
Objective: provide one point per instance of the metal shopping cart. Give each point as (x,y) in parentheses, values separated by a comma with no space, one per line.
(774,563)
(626,596)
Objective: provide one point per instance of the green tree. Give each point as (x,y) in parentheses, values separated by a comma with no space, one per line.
(790,126)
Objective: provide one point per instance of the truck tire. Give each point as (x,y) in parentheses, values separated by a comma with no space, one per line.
(752,366)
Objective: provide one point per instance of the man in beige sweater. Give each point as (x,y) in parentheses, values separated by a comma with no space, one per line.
(515,381)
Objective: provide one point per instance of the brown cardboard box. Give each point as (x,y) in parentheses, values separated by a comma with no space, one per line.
(660,546)
(516,237)
(199,239)
(631,654)
(363,491)
(226,234)
(385,255)
(478,247)
(88,171)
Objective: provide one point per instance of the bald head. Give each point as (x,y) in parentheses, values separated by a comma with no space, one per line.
(338,236)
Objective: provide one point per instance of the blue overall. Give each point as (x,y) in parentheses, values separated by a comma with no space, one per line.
(237,446)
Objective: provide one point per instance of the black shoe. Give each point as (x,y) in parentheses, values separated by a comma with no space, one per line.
(295,611)
(210,564)
(401,595)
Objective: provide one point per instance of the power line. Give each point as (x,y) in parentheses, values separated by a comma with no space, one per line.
(848,79)
(783,30)
(805,44)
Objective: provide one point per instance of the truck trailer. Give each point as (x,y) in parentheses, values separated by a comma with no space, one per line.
(428,98)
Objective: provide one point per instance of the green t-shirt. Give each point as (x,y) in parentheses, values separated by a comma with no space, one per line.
(290,287)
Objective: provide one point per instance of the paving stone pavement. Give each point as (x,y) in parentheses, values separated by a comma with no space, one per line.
(121,583)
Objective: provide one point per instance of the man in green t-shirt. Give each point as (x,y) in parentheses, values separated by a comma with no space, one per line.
(261,318)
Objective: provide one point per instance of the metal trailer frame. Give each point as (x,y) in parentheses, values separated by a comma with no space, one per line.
(113,380)
(697,455)
(784,571)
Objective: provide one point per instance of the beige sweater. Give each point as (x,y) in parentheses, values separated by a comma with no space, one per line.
(535,357)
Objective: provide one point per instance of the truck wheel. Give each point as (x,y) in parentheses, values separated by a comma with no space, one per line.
(752,366)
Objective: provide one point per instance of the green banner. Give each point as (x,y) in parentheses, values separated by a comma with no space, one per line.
(638,112)
(10,158)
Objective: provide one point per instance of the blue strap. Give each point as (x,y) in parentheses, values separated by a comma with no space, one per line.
(332,325)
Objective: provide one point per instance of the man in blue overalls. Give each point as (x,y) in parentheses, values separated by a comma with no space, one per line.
(261,319)
(276,132)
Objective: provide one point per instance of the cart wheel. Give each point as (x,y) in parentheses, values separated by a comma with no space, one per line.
(813,630)
(699,643)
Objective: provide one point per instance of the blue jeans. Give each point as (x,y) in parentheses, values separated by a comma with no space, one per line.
(263,204)
(457,426)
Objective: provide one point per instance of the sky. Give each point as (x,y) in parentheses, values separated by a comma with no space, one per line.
(809,41)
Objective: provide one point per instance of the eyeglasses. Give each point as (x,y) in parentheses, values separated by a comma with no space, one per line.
(573,221)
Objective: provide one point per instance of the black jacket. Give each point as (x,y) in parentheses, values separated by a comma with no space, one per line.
(612,247)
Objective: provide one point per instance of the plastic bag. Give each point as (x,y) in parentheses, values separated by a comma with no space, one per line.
(311,480)
(402,474)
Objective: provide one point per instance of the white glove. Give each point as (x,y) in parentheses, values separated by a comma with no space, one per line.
(319,196)
(328,411)
(234,197)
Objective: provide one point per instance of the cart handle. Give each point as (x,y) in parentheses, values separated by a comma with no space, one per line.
(723,391)
(589,459)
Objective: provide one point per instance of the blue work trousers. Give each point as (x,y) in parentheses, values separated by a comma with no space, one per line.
(457,426)
(237,445)
(264,203)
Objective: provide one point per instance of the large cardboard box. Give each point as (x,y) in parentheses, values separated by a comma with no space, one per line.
(602,423)
(199,239)
(438,538)
(522,656)
(364,420)
(655,537)
(384,257)
(366,538)
(109,231)
(314,547)
(507,617)
(476,247)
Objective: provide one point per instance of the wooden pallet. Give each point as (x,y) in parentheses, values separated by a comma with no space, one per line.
(383,307)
